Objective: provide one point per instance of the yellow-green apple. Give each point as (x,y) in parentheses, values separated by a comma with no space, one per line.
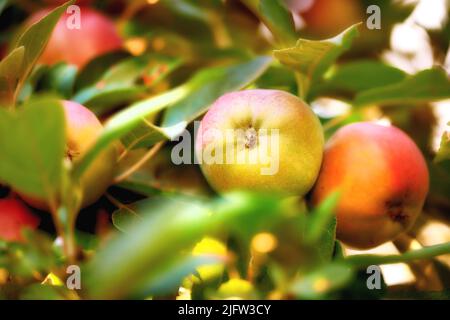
(79,37)
(15,216)
(382,178)
(82,130)
(210,247)
(260,140)
(236,289)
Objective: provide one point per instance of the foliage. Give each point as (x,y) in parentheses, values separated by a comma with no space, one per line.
(148,99)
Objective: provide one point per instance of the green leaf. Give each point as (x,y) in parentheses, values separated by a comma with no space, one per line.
(319,283)
(202,90)
(276,17)
(119,84)
(197,94)
(356,76)
(103,100)
(320,229)
(47,292)
(313,58)
(444,150)
(439,170)
(208,85)
(161,174)
(279,20)
(363,260)
(125,217)
(35,38)
(149,134)
(326,243)
(139,187)
(321,218)
(32,141)
(439,183)
(125,121)
(170,226)
(87,241)
(188,8)
(425,86)
(35,255)
(9,75)
(97,67)
(32,83)
(172,275)
(60,79)
(3,4)
(338,250)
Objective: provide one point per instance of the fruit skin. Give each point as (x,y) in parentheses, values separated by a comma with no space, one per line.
(382,178)
(326,18)
(61,2)
(14,216)
(210,247)
(97,36)
(300,141)
(82,130)
(236,289)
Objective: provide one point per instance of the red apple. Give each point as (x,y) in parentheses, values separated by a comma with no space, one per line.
(97,35)
(326,18)
(382,178)
(60,2)
(82,130)
(15,216)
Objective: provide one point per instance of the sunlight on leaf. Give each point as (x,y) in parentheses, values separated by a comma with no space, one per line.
(428,85)
(32,141)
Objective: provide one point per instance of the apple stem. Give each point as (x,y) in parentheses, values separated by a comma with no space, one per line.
(362,260)
(65,230)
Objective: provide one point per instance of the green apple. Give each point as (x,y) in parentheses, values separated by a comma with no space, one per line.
(260,140)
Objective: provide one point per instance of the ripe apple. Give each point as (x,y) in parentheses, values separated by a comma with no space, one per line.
(14,216)
(276,132)
(60,2)
(82,130)
(326,18)
(382,178)
(97,35)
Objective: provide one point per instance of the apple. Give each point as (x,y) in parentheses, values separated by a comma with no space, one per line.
(382,178)
(326,18)
(82,130)
(277,141)
(97,35)
(15,216)
(236,289)
(61,2)
(210,247)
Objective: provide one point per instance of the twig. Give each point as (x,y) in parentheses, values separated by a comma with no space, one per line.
(362,260)
(151,152)
(424,271)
